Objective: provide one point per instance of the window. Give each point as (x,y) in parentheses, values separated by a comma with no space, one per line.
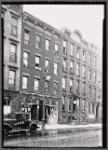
(89,91)
(55,87)
(94,76)
(77,86)
(46,63)
(77,69)
(12,79)
(78,53)
(89,74)
(71,85)
(13,56)
(72,50)
(63,102)
(37,61)
(94,92)
(99,77)
(25,82)
(25,59)
(84,71)
(92,108)
(99,93)
(63,82)
(56,47)
(36,84)
(47,45)
(38,41)
(83,104)
(55,68)
(46,86)
(84,55)
(83,87)
(14,26)
(64,47)
(47,66)
(69,104)
(71,66)
(64,63)
(89,58)
(94,60)
(26,36)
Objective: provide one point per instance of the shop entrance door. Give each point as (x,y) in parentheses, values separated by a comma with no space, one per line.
(34,112)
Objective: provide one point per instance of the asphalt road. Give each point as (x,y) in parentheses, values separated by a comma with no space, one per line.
(91,138)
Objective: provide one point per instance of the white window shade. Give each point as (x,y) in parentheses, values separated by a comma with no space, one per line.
(63,83)
(36,84)
(71,64)
(47,63)
(71,82)
(56,47)
(64,43)
(37,60)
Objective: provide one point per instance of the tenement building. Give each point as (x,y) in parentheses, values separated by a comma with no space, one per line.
(57,76)
(11,46)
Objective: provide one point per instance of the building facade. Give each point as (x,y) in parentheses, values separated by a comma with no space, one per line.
(59,74)
(11,29)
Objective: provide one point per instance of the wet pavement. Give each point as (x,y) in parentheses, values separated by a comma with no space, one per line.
(90,138)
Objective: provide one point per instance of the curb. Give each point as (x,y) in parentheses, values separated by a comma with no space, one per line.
(52,132)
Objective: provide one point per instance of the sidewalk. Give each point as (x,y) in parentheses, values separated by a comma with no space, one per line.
(62,126)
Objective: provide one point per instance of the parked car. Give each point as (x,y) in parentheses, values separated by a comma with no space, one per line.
(19,122)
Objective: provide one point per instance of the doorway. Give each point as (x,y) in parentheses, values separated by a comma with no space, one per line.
(34,112)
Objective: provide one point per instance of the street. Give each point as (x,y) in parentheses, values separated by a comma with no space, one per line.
(91,138)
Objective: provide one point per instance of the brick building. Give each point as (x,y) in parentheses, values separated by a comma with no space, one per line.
(11,31)
(60,73)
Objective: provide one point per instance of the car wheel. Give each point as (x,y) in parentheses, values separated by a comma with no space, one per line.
(33,129)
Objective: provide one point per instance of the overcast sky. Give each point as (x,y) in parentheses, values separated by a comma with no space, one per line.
(86,18)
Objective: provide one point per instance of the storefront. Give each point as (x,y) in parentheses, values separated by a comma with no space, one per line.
(40,107)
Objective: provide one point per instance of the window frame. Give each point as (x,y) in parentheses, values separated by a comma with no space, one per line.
(55,69)
(12,86)
(26,39)
(63,102)
(38,42)
(63,83)
(36,88)
(12,53)
(47,47)
(64,47)
(24,76)
(13,26)
(71,49)
(27,59)
(77,69)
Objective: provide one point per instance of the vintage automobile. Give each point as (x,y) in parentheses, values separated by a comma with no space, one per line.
(19,122)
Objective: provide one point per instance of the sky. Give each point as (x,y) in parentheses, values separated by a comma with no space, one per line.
(86,18)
